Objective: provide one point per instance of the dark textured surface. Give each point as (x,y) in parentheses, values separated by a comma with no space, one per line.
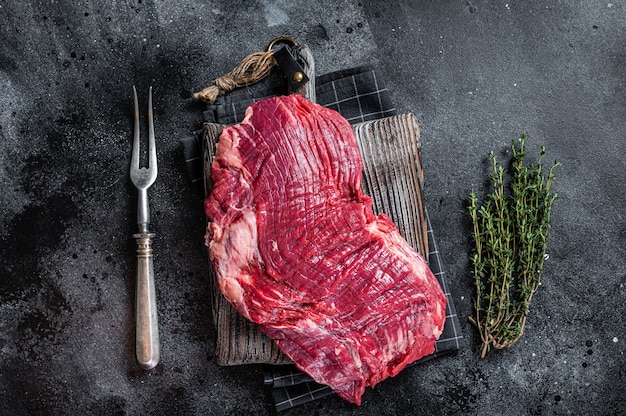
(477,75)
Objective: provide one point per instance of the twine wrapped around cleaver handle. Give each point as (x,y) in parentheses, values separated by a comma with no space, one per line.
(258,65)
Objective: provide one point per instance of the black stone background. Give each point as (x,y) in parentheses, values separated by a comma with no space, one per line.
(477,74)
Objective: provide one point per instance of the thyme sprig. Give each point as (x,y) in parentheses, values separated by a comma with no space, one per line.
(510,232)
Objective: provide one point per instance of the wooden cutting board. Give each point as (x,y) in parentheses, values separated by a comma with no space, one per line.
(392,176)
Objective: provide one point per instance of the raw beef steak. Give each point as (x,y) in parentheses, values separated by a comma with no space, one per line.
(297,249)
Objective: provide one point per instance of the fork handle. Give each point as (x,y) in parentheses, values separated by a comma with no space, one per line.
(147,329)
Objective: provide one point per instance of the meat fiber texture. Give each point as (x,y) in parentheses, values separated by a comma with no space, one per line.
(297,249)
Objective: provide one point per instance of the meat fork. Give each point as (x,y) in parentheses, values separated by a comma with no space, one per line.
(147,327)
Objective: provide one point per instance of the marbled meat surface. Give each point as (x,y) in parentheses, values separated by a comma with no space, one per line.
(298,250)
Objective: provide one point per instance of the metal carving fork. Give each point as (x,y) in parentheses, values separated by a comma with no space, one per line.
(147,328)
